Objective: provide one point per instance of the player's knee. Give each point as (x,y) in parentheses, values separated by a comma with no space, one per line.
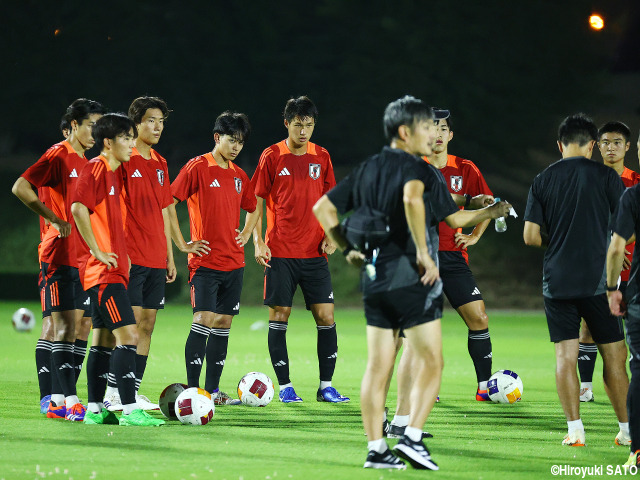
(281,315)
(478,321)
(146,326)
(47,332)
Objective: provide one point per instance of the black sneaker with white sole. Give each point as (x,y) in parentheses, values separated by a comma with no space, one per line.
(383,460)
(396,431)
(415,453)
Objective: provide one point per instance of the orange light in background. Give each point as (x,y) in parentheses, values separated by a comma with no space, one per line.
(56,32)
(596,22)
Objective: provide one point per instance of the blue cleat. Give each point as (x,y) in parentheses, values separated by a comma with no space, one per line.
(288,395)
(44,404)
(331,395)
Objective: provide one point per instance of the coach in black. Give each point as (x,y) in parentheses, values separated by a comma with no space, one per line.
(573,200)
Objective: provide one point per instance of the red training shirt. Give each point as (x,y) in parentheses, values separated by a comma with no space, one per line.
(629,178)
(291,185)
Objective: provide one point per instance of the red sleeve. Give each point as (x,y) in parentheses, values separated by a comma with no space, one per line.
(474,181)
(90,191)
(329,178)
(183,186)
(263,177)
(249,201)
(46,171)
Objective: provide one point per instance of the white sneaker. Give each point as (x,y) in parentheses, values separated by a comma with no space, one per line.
(575,438)
(112,402)
(586,395)
(145,404)
(623,439)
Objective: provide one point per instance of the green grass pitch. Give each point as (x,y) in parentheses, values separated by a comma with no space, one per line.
(308,440)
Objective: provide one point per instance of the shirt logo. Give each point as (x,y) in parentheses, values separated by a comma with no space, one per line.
(238,184)
(73,174)
(284,172)
(237,307)
(136,174)
(215,183)
(314,171)
(456,183)
(160,176)
(112,191)
(475,291)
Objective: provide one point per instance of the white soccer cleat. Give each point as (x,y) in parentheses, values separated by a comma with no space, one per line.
(575,438)
(586,395)
(623,439)
(112,402)
(145,404)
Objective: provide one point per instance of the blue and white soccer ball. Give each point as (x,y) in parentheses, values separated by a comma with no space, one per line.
(23,320)
(255,389)
(505,386)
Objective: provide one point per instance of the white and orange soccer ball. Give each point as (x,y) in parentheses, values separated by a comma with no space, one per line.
(194,406)
(168,398)
(23,320)
(255,389)
(505,386)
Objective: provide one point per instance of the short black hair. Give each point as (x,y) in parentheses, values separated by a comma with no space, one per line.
(233,124)
(64,124)
(81,108)
(110,126)
(404,111)
(301,107)
(615,127)
(577,128)
(140,105)
(448,121)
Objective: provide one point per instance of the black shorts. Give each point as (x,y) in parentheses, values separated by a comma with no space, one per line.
(63,290)
(146,287)
(216,291)
(405,307)
(632,325)
(285,274)
(563,319)
(459,285)
(42,287)
(111,306)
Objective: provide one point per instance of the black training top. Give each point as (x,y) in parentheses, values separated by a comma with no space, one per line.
(574,199)
(626,223)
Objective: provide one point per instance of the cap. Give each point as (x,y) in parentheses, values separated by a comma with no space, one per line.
(441,114)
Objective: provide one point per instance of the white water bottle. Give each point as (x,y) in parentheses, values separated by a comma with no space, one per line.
(501,222)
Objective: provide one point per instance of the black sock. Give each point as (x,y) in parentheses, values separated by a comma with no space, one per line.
(43,366)
(587,355)
(216,355)
(479,345)
(194,352)
(79,352)
(97,371)
(124,370)
(63,363)
(277,340)
(141,365)
(112,378)
(327,351)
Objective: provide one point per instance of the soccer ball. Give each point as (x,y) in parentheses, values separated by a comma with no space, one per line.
(255,389)
(23,320)
(168,399)
(194,406)
(505,386)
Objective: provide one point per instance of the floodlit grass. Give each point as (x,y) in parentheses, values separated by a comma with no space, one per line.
(308,440)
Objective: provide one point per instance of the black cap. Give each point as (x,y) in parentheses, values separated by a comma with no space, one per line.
(441,114)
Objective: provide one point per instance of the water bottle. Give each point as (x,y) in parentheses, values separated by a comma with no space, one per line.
(501,222)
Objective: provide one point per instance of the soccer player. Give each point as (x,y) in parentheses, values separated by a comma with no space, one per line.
(58,169)
(291,176)
(215,189)
(147,196)
(396,296)
(104,272)
(573,200)
(613,143)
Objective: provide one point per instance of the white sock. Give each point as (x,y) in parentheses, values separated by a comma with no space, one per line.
(400,420)
(71,400)
(94,407)
(575,425)
(286,385)
(58,399)
(111,391)
(482,385)
(129,407)
(324,385)
(588,385)
(624,427)
(413,433)
(379,446)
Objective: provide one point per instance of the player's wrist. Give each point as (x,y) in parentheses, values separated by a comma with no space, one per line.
(612,288)
(467,201)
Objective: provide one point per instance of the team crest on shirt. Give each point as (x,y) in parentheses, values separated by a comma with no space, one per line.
(238,182)
(160,176)
(456,183)
(314,170)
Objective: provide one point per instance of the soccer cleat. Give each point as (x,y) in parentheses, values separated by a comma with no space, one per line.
(56,412)
(331,395)
(112,402)
(415,453)
(105,417)
(76,413)
(482,396)
(396,431)
(634,459)
(383,460)
(586,395)
(44,404)
(140,418)
(288,395)
(221,398)
(145,404)
(574,439)
(623,439)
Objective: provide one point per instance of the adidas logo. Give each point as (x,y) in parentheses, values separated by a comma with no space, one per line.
(67,365)
(197,361)
(104,375)
(73,174)
(43,370)
(488,356)
(331,295)
(136,174)
(284,172)
(215,183)
(475,291)
(87,301)
(333,355)
(237,307)
(584,357)
(281,363)
(129,375)
(221,362)
(112,191)
(162,301)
